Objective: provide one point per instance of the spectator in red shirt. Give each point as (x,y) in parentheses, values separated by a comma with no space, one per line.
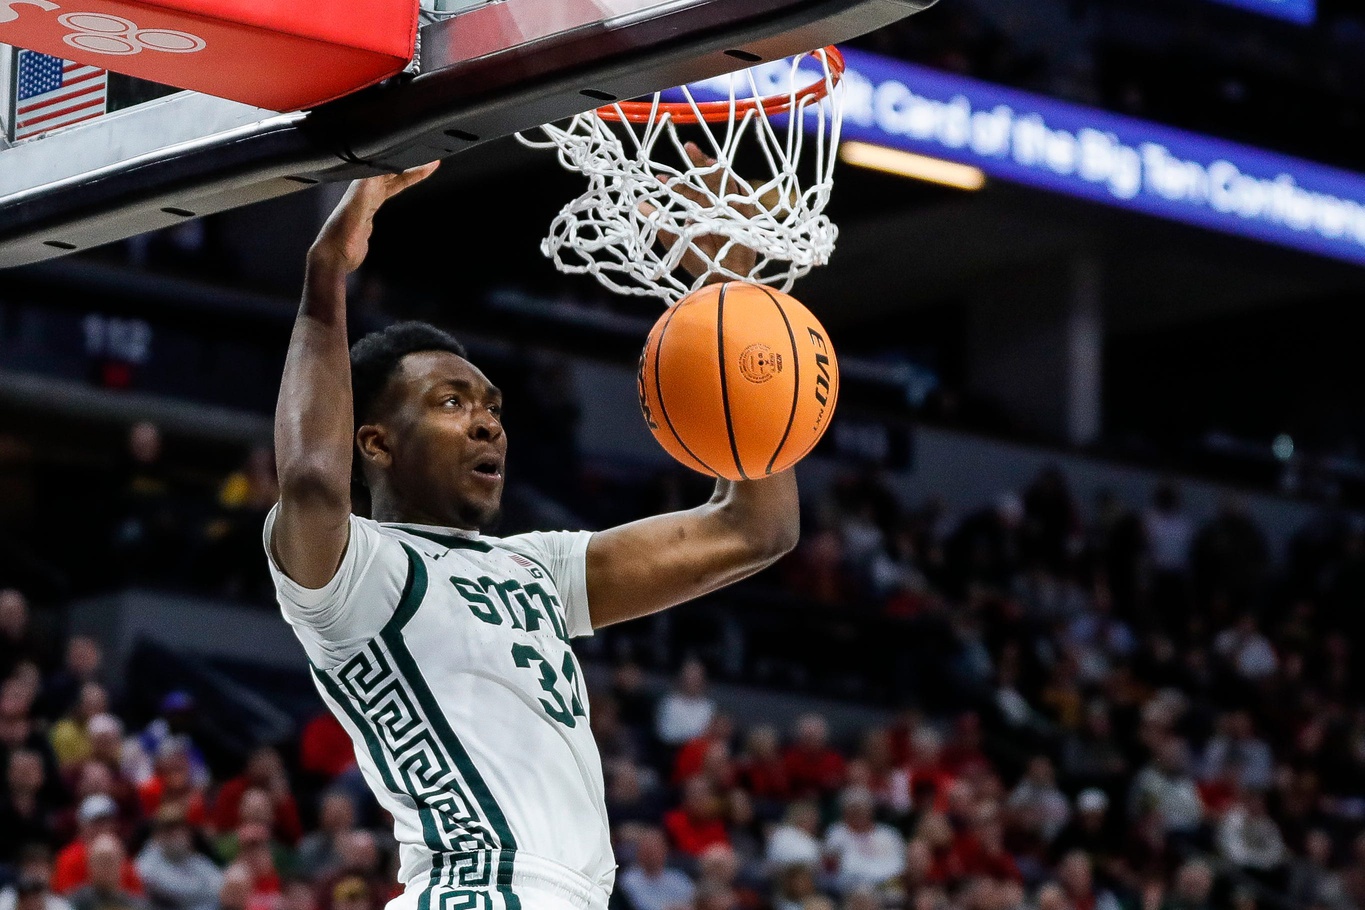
(98,816)
(173,782)
(1222,791)
(886,782)
(761,769)
(325,748)
(702,751)
(929,781)
(981,849)
(813,768)
(264,771)
(699,822)
(962,755)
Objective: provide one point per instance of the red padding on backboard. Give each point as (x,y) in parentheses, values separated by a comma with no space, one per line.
(282,55)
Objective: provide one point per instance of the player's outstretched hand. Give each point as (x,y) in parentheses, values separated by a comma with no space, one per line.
(344,239)
(709,247)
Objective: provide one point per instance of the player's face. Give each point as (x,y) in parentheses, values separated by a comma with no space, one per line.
(444,442)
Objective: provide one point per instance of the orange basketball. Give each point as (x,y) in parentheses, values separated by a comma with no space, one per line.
(738,381)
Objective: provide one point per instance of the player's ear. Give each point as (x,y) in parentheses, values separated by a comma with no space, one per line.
(373,443)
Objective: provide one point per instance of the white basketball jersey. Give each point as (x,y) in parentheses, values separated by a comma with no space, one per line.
(446,657)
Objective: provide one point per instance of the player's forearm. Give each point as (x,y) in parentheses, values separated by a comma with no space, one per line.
(764,515)
(313,419)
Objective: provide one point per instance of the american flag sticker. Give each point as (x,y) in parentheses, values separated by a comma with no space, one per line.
(523,561)
(52,92)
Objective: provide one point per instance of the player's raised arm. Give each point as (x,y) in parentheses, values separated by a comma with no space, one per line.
(655,563)
(314,426)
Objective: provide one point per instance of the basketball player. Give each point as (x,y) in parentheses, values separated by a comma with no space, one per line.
(444,653)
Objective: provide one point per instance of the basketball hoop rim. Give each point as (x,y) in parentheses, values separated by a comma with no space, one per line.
(684,112)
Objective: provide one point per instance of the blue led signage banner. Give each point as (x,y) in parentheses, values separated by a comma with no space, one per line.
(1096,155)
(1303,12)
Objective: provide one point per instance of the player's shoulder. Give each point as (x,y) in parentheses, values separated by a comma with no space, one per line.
(547,543)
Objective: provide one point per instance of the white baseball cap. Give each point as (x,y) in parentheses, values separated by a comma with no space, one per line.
(96,806)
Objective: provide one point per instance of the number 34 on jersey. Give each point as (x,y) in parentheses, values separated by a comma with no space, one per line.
(529,608)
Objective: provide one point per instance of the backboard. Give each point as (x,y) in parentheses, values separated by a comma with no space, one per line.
(484,70)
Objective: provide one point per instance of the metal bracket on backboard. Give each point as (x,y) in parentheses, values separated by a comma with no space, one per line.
(486,73)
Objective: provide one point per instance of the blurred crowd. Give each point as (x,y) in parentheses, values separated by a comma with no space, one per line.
(99,814)
(1124,708)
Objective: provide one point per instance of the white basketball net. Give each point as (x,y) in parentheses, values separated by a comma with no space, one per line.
(642,186)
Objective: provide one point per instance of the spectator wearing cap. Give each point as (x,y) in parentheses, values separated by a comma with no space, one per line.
(813,767)
(70,736)
(26,816)
(320,851)
(686,711)
(174,781)
(105,889)
(95,778)
(174,875)
(264,771)
(862,851)
(649,883)
(31,890)
(107,752)
(96,818)
(175,719)
(699,821)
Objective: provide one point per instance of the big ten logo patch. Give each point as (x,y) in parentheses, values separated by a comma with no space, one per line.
(101,33)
